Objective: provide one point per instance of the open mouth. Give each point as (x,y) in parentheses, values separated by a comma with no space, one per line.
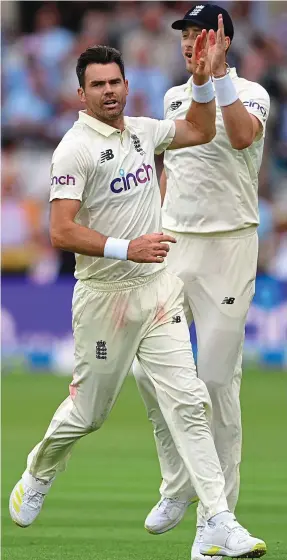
(188,55)
(111,103)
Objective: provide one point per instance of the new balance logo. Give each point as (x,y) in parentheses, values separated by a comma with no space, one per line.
(101,350)
(196,10)
(175,105)
(105,156)
(137,144)
(228,300)
(176,319)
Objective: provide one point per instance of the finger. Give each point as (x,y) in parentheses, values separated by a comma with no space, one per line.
(207,42)
(153,260)
(203,39)
(160,253)
(211,38)
(197,47)
(220,23)
(168,238)
(161,247)
(220,30)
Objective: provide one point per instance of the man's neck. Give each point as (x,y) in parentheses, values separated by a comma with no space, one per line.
(117,123)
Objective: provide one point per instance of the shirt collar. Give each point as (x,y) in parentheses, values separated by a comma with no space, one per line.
(97,125)
(188,85)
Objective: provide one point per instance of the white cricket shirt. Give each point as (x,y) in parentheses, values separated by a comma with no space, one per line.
(213,187)
(113,175)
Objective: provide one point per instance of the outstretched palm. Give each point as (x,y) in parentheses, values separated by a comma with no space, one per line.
(216,49)
(200,60)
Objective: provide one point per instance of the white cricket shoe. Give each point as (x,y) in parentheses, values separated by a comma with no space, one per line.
(195,551)
(224,536)
(165,515)
(25,504)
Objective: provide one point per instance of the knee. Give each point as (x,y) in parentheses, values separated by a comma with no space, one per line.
(194,405)
(96,424)
(93,422)
(215,387)
(195,415)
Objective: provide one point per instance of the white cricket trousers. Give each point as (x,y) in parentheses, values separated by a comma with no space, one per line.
(218,272)
(112,324)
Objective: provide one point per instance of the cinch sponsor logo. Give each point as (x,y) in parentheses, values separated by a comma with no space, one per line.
(125,182)
(63,180)
(256,105)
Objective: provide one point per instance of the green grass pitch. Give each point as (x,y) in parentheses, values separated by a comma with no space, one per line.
(96,509)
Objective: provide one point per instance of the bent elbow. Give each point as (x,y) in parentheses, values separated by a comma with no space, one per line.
(57,238)
(208,136)
(241,143)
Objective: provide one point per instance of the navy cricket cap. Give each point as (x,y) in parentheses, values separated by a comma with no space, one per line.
(206,16)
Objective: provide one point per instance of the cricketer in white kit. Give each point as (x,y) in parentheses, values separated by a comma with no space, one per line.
(211,208)
(105,207)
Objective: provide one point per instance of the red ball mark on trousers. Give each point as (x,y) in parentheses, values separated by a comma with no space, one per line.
(119,312)
(160,312)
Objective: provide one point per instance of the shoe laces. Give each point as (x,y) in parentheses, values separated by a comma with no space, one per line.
(199,532)
(166,502)
(32,498)
(233,527)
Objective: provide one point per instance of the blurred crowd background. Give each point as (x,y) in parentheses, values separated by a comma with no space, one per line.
(40,44)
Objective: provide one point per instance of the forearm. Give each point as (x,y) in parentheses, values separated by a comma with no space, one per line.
(198,127)
(238,125)
(201,116)
(78,239)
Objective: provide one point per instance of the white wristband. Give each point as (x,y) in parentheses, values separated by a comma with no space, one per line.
(204,93)
(225,91)
(116,248)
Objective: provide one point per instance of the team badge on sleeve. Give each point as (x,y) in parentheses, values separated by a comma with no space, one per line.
(175,105)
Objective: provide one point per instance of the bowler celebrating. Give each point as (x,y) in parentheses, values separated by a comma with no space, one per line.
(105,207)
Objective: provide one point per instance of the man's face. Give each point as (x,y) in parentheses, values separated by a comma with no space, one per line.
(105,91)
(188,36)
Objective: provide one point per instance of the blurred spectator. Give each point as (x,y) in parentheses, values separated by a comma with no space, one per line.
(40,46)
(147,84)
(50,42)
(155,38)
(27,103)
(20,224)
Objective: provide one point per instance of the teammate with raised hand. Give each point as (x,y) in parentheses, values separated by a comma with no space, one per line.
(211,208)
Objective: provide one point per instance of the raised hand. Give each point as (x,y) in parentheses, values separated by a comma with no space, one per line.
(150,248)
(216,50)
(200,60)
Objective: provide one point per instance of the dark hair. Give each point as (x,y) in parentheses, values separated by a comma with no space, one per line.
(99,54)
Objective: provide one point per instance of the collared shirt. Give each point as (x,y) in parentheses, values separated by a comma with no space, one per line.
(113,174)
(213,187)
